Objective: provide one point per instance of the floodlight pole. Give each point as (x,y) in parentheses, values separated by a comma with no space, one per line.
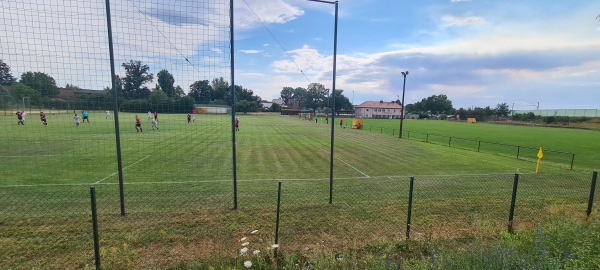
(404,74)
(332,97)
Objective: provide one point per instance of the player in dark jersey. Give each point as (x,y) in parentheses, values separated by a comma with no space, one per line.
(237,124)
(156,116)
(20,117)
(189,118)
(138,124)
(43,118)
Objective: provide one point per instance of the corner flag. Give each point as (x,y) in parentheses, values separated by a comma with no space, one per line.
(540,155)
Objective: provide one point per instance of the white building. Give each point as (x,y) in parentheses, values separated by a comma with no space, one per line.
(278,101)
(378,109)
(266,104)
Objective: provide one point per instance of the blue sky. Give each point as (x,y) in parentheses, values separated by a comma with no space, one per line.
(478,53)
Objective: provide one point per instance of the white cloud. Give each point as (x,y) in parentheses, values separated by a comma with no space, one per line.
(494,69)
(67,40)
(250,51)
(273,11)
(449,20)
(307,59)
(266,45)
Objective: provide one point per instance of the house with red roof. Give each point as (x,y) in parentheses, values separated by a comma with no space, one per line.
(378,109)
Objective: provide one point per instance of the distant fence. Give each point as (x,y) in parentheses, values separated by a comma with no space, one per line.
(562,112)
(192,224)
(510,150)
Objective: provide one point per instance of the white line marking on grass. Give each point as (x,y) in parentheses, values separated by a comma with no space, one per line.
(29,156)
(366,175)
(391,177)
(99,181)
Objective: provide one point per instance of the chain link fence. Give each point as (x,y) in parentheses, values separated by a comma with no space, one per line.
(193,223)
(557,158)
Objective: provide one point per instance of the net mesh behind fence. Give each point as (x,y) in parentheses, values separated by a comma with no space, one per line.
(170,59)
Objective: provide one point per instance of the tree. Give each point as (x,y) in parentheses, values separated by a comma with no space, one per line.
(220,90)
(72,86)
(342,103)
(315,96)
(118,86)
(136,75)
(275,107)
(40,82)
(242,93)
(179,92)
(5,98)
(436,104)
(501,110)
(166,82)
(200,91)
(292,93)
(158,96)
(21,90)
(6,78)
(287,93)
(184,104)
(462,113)
(246,106)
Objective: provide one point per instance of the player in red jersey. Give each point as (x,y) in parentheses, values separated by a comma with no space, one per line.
(237,124)
(156,116)
(43,118)
(189,118)
(138,124)
(20,117)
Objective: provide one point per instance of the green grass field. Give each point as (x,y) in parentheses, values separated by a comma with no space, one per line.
(583,143)
(179,190)
(268,147)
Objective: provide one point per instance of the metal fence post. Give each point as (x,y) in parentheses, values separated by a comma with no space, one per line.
(115,108)
(572,160)
(277,221)
(95,228)
(478,146)
(512,203)
(592,191)
(518,151)
(410,196)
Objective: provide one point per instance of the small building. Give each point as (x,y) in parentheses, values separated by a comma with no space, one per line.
(411,116)
(70,94)
(292,103)
(211,109)
(278,101)
(266,104)
(378,109)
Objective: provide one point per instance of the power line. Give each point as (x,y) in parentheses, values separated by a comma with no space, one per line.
(279,43)
(161,33)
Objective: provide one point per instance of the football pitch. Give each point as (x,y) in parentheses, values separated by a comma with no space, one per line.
(179,192)
(269,147)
